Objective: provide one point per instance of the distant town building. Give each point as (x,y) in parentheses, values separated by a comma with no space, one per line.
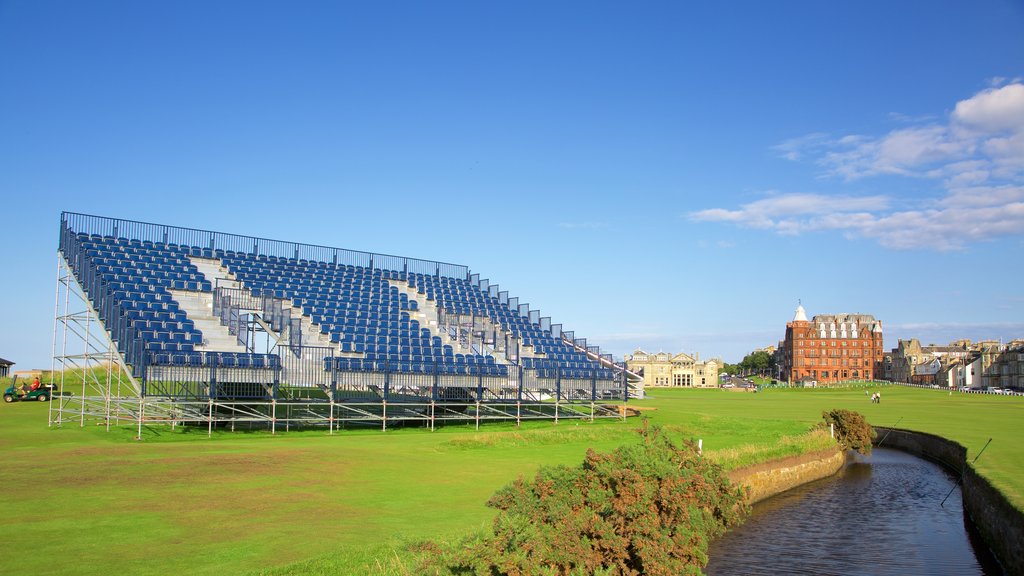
(984,365)
(911,362)
(831,348)
(674,370)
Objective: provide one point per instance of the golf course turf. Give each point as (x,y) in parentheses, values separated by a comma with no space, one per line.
(89,501)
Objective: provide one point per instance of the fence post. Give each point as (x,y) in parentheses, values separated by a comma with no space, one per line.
(479,383)
(558,389)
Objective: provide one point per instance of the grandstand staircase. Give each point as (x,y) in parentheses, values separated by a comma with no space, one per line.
(312,342)
(199,308)
(427,316)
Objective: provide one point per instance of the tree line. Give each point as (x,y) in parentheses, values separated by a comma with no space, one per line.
(758,362)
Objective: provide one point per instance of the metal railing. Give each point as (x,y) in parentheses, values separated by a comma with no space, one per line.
(214,241)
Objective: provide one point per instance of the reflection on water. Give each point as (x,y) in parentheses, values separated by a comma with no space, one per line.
(880,515)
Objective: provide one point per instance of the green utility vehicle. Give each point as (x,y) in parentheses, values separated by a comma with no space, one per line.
(23,392)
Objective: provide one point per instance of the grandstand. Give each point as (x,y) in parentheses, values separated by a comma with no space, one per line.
(179,326)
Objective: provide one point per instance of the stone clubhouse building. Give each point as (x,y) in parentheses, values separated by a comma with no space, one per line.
(674,370)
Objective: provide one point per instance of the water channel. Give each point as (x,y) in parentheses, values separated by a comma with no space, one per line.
(880,515)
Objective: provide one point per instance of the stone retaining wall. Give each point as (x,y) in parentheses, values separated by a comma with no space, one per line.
(998,521)
(771,478)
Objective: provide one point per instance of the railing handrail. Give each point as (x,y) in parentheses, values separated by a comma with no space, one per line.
(462,271)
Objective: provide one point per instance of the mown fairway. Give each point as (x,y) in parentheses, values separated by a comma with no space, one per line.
(95,502)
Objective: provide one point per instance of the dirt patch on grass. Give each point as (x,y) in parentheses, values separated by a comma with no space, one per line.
(631,411)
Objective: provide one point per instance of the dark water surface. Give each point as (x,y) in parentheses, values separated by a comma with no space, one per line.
(880,515)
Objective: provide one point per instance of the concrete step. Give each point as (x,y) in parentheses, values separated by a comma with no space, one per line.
(199,308)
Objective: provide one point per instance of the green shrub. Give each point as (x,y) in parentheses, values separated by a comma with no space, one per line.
(852,431)
(650,508)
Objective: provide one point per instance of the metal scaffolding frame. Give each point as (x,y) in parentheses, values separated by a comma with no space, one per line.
(93,384)
(104,390)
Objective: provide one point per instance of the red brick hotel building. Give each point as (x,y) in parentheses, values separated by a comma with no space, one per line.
(831,348)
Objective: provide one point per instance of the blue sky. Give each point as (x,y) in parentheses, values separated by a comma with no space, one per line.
(672,176)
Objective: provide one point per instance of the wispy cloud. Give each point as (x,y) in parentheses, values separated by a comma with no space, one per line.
(944,333)
(977,154)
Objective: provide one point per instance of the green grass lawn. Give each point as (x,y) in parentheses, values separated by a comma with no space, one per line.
(86,501)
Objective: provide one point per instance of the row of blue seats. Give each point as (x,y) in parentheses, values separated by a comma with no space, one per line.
(150,306)
(300,264)
(219,359)
(360,365)
(338,335)
(141,296)
(146,277)
(335,291)
(106,249)
(342,300)
(383,314)
(102,258)
(311,278)
(192,336)
(157,315)
(321,270)
(332,285)
(354,315)
(365,324)
(393,347)
(155,346)
(127,268)
(351,332)
(119,240)
(143,284)
(573,373)
(392,308)
(565,357)
(385,341)
(429,354)
(326,299)
(544,361)
(150,293)
(165,325)
(380,334)
(380,314)
(404,332)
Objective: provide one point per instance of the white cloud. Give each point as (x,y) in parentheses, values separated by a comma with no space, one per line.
(986,129)
(794,148)
(903,152)
(993,111)
(977,155)
(944,333)
(965,215)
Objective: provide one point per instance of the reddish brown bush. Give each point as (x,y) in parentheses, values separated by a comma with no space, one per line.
(852,431)
(650,508)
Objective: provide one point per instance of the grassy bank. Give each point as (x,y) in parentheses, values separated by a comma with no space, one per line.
(93,502)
